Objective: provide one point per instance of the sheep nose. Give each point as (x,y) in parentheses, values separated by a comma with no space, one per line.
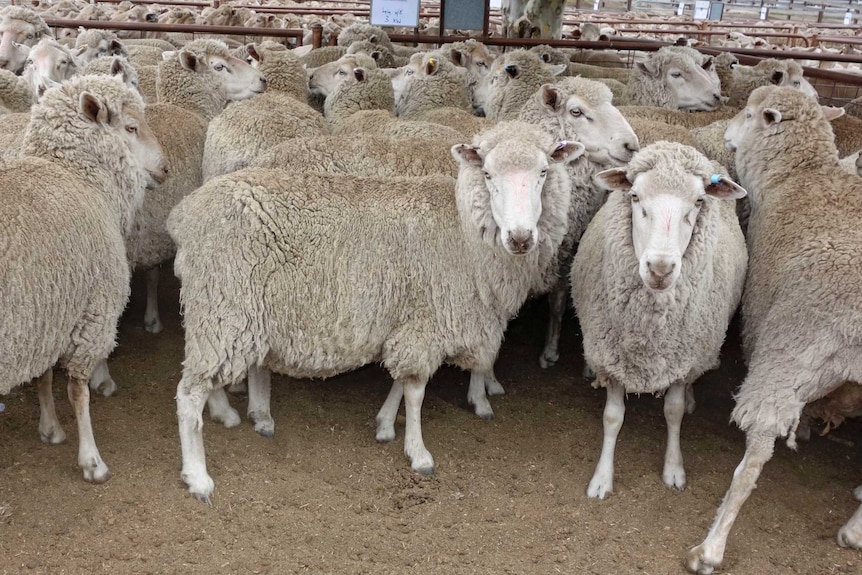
(632,146)
(717,98)
(3,63)
(520,241)
(661,269)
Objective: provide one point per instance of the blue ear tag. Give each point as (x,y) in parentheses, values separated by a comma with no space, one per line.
(715,178)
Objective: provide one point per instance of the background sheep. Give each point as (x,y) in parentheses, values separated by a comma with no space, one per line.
(767,72)
(15,93)
(87,156)
(801,302)
(655,293)
(673,79)
(19,27)
(514,78)
(488,230)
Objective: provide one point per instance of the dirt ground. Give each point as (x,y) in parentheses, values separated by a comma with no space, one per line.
(323,497)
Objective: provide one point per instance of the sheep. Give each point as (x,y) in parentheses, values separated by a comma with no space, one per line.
(381,54)
(724,64)
(323,55)
(325,78)
(801,303)
(397,318)
(92,44)
(359,31)
(680,293)
(362,102)
(767,72)
(19,27)
(678,117)
(651,131)
(246,129)
(848,134)
(710,141)
(513,79)
(675,80)
(852,164)
(595,72)
(15,93)
(87,156)
(118,66)
(471,55)
(49,64)
(434,90)
(194,85)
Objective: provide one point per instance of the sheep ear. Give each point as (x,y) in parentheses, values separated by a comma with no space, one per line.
(777,77)
(550,97)
(566,151)
(771,116)
(648,68)
(613,180)
(707,65)
(373,38)
(467,155)
(375,55)
(545,57)
(116,47)
(188,60)
(457,57)
(252,51)
(116,67)
(832,113)
(92,109)
(725,188)
(81,49)
(152,17)
(359,74)
(558,69)
(512,71)
(431,66)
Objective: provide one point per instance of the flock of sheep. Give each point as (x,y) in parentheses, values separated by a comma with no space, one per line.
(325,211)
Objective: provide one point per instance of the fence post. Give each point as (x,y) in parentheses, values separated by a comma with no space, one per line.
(316,35)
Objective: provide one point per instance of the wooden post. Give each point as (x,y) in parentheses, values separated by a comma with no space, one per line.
(316,35)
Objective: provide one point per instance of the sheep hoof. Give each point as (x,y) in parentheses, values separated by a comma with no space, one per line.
(493,387)
(857,493)
(675,479)
(850,536)
(486,416)
(96,472)
(599,488)
(548,359)
(53,436)
(229,418)
(425,470)
(205,499)
(200,488)
(697,563)
(265,428)
(385,434)
(107,388)
(588,373)
(153,325)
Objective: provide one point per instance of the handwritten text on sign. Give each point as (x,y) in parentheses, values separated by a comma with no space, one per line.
(395,13)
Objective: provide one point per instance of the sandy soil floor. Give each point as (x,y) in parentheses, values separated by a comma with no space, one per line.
(323,497)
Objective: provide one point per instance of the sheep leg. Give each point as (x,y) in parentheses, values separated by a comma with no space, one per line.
(387,414)
(674,409)
(851,534)
(89,459)
(190,408)
(690,403)
(101,380)
(50,429)
(602,482)
(220,409)
(708,555)
(557,307)
(492,386)
(152,323)
(476,395)
(259,389)
(414,447)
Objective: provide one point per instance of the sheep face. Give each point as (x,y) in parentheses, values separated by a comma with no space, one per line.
(49,64)
(473,56)
(239,79)
(691,87)
(514,175)
(607,137)
(665,203)
(142,143)
(14,36)
(323,80)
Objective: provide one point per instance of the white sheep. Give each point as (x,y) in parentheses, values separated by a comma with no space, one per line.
(316,275)
(96,43)
(87,156)
(20,28)
(656,280)
(246,129)
(15,93)
(49,64)
(194,85)
(513,79)
(670,78)
(801,305)
(771,71)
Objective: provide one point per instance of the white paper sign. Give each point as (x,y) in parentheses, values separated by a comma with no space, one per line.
(848,18)
(701,9)
(496,4)
(764,13)
(395,13)
(596,4)
(680,10)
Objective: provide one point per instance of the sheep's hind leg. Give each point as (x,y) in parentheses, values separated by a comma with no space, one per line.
(851,534)
(388,412)
(492,386)
(259,394)
(101,380)
(220,409)
(602,482)
(191,398)
(708,555)
(152,322)
(674,409)
(557,305)
(414,447)
(50,430)
(476,395)
(89,458)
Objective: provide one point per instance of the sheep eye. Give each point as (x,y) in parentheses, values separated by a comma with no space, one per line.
(676,74)
(132,129)
(576,112)
(341,72)
(543,173)
(486,174)
(482,64)
(698,202)
(219,67)
(29,36)
(635,198)
(796,83)
(409,72)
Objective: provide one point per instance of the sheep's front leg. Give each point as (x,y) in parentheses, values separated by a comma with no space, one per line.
(388,412)
(259,393)
(851,534)
(152,323)
(492,386)
(50,429)
(191,398)
(602,482)
(220,409)
(414,447)
(674,409)
(557,305)
(101,381)
(89,459)
(708,555)
(476,395)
